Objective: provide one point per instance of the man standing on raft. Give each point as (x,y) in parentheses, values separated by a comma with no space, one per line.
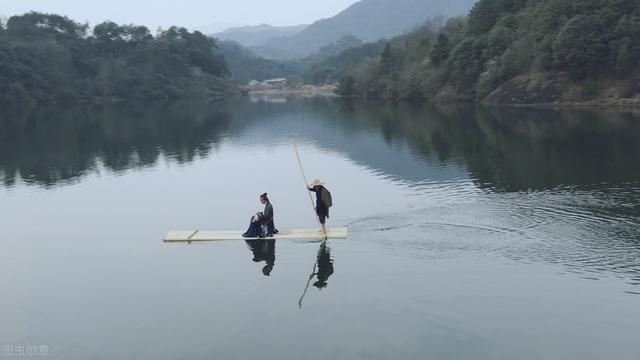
(323,202)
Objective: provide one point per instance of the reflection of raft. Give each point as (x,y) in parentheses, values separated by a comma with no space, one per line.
(293,234)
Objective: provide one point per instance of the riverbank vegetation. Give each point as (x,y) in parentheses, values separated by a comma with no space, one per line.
(513,51)
(51,58)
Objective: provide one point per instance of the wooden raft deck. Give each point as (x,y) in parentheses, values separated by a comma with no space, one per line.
(292,234)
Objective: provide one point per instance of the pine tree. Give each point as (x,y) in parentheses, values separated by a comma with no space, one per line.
(346,86)
(440,51)
(387,60)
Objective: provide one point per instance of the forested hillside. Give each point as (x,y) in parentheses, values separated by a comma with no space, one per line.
(337,66)
(514,51)
(50,58)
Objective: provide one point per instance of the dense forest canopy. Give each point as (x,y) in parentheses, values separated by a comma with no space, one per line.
(48,58)
(503,51)
(337,66)
(513,51)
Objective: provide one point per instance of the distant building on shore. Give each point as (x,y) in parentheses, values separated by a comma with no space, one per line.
(271,84)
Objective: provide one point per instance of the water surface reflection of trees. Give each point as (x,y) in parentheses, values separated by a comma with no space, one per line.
(514,149)
(505,149)
(48,145)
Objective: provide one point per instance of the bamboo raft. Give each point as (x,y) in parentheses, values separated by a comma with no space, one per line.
(293,234)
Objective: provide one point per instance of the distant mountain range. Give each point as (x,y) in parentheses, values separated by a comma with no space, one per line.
(368,20)
(250,36)
(215,26)
(245,65)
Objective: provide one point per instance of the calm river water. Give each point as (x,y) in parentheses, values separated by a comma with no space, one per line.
(475,232)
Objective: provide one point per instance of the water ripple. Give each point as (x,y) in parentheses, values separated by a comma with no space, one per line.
(592,233)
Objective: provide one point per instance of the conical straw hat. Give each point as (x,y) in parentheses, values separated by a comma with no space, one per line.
(316,182)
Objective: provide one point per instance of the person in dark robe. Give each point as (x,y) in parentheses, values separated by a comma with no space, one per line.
(322,208)
(266,217)
(261,224)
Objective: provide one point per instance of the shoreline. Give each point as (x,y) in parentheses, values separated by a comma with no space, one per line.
(300,90)
(309,90)
(328,91)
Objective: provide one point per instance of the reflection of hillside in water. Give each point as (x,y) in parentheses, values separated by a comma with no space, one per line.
(508,149)
(517,148)
(563,186)
(505,149)
(45,146)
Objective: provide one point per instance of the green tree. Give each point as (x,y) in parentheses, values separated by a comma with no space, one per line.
(581,46)
(440,50)
(483,16)
(46,58)
(502,36)
(629,27)
(627,46)
(108,31)
(346,86)
(465,62)
(627,58)
(39,24)
(136,33)
(387,60)
(413,89)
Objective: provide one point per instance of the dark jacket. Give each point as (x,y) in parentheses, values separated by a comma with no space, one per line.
(267,218)
(321,208)
(267,214)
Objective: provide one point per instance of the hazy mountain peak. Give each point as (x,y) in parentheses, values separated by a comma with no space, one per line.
(369,20)
(256,35)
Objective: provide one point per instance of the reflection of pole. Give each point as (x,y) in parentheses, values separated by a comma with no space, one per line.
(306,184)
(313,272)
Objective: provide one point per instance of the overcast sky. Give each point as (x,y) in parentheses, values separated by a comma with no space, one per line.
(210,15)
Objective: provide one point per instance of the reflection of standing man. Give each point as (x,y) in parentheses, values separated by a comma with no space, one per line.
(263,250)
(322,269)
(325,266)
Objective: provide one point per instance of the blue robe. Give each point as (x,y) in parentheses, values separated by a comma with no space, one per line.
(265,226)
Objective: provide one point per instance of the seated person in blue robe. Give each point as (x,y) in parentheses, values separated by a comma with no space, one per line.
(261,224)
